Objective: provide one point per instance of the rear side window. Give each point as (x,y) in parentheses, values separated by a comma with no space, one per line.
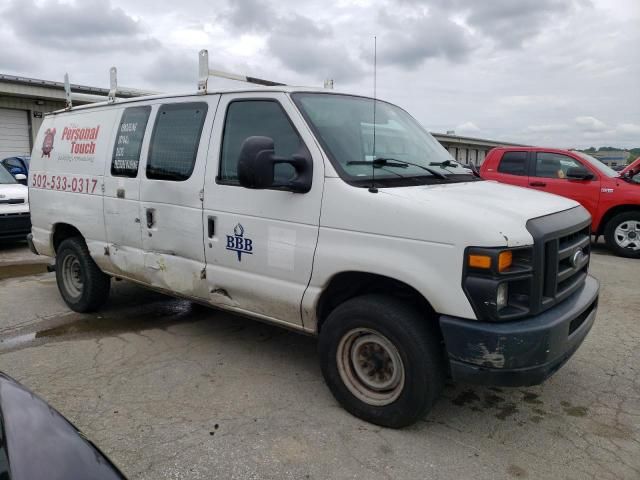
(247,118)
(175,140)
(126,151)
(514,163)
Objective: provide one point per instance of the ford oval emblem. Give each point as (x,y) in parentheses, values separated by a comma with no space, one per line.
(577,258)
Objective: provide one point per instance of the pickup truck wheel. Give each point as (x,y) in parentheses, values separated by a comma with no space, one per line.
(622,234)
(83,286)
(382,360)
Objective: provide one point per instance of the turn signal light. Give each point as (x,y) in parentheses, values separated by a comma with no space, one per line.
(480,261)
(505,260)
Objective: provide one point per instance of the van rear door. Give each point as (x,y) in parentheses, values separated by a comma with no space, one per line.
(171,194)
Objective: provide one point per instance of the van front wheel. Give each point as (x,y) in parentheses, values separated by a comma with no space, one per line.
(83,286)
(382,360)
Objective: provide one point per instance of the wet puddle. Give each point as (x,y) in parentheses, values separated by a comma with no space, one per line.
(21,270)
(158,315)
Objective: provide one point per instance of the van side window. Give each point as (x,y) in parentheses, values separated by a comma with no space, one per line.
(175,140)
(248,118)
(126,150)
(514,163)
(554,165)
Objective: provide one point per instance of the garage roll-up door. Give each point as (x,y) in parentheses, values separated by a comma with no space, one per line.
(14,133)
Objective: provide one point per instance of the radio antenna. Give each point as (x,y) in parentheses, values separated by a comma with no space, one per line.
(373,188)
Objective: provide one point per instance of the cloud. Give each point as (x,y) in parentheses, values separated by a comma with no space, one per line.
(171,69)
(82,26)
(467,127)
(590,124)
(255,15)
(519,101)
(511,23)
(549,128)
(629,128)
(307,48)
(410,39)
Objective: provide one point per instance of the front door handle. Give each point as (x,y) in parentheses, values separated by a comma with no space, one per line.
(538,184)
(211,226)
(151,220)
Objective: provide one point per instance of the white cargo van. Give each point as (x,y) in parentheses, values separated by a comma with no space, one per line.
(291,206)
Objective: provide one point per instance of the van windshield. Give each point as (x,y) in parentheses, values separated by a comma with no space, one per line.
(397,152)
(5,176)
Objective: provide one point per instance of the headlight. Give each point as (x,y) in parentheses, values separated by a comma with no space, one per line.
(498,282)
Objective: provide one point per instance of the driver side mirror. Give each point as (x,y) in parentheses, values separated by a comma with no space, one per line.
(21,178)
(257,162)
(579,173)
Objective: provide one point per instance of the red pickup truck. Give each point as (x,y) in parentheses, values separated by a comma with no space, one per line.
(612,198)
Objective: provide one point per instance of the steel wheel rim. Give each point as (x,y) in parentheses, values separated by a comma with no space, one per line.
(72,275)
(370,366)
(627,234)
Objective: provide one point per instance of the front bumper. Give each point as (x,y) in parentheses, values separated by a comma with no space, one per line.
(14,226)
(523,352)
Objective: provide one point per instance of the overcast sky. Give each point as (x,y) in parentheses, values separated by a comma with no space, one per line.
(551,72)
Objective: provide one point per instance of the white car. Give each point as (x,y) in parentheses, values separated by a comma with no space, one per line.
(15,223)
(275,203)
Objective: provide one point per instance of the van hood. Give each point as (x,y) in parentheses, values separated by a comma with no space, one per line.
(487,198)
(13,190)
(493,210)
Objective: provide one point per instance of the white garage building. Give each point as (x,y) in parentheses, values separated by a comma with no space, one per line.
(23,101)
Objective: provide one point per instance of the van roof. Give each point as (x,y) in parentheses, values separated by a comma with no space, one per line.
(142,98)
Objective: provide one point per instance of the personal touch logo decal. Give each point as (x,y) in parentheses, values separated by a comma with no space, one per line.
(47,144)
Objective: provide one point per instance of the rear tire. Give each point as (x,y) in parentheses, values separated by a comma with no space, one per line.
(83,286)
(382,360)
(622,234)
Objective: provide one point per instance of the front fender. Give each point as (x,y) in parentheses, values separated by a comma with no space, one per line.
(433,269)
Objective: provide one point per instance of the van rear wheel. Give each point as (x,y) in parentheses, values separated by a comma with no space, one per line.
(622,234)
(83,286)
(382,360)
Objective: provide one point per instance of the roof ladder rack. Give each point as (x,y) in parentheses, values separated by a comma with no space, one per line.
(113,84)
(67,92)
(204,72)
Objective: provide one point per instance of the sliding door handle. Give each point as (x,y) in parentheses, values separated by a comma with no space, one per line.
(151,217)
(211,226)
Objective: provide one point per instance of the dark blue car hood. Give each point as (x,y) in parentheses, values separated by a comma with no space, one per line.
(36,442)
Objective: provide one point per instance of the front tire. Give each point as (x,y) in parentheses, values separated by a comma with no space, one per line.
(382,360)
(622,234)
(83,286)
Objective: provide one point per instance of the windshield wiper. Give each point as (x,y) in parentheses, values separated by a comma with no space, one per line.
(443,164)
(393,162)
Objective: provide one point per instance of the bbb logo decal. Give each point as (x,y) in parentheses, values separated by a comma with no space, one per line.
(239,243)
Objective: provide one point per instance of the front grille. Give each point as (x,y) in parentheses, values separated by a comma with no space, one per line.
(567,262)
(12,201)
(14,223)
(562,248)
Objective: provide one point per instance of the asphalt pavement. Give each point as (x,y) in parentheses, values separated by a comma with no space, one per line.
(170,389)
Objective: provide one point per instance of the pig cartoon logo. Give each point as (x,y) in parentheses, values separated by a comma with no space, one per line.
(47,144)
